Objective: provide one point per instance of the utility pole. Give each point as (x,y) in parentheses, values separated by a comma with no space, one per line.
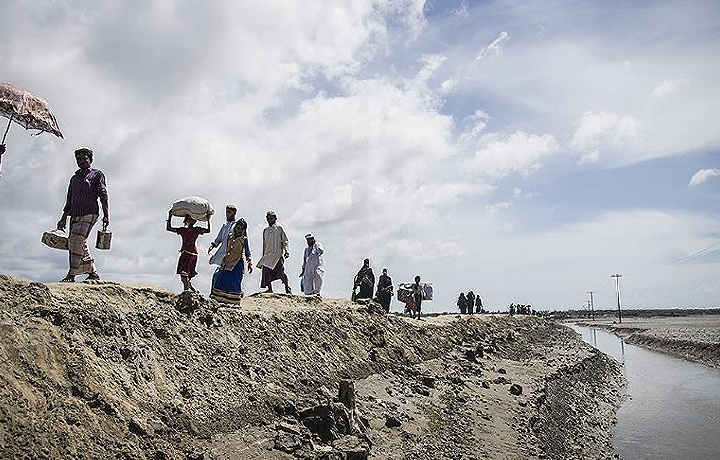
(592,304)
(617,288)
(587,307)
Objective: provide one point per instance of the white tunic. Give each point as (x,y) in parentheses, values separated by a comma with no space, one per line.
(312,269)
(275,246)
(221,242)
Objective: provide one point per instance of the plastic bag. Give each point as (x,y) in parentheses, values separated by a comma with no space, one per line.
(192,206)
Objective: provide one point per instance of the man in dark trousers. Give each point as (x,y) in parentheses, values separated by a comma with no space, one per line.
(385,290)
(86,187)
(275,251)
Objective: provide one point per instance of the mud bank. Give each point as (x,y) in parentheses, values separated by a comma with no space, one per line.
(695,338)
(112,371)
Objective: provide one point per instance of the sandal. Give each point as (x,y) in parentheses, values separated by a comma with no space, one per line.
(68,279)
(93,276)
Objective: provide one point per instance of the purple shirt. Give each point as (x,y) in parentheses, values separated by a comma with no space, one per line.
(86,186)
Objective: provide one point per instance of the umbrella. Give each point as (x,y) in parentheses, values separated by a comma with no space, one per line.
(27,110)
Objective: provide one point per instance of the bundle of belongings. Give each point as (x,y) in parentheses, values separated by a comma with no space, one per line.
(192,206)
(404,292)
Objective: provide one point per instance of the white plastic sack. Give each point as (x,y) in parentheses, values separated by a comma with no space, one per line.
(192,206)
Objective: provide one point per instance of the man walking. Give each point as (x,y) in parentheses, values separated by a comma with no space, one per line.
(275,248)
(470,302)
(417,293)
(86,187)
(312,269)
(385,290)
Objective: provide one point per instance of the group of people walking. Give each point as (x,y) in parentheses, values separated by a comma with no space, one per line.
(364,285)
(88,186)
(231,248)
(233,258)
(521,309)
(470,303)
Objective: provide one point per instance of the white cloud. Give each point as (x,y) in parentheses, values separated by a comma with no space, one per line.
(519,193)
(451,192)
(602,128)
(495,208)
(703,175)
(478,122)
(589,158)
(494,48)
(519,152)
(665,89)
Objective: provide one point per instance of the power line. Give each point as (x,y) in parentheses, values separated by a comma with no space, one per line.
(682,260)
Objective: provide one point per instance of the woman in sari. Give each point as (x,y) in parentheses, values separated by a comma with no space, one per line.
(227,282)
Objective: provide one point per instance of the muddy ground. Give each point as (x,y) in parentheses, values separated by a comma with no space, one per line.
(112,371)
(694,337)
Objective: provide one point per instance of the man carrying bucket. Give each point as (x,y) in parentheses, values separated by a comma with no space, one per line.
(87,185)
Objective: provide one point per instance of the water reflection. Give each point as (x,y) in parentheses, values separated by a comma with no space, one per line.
(674,405)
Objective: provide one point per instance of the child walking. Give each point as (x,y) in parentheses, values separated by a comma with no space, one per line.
(187,262)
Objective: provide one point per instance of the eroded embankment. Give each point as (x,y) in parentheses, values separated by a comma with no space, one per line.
(103,371)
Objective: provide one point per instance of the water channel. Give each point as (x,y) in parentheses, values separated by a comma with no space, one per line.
(673,408)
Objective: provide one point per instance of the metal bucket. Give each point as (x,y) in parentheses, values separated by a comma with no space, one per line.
(103,239)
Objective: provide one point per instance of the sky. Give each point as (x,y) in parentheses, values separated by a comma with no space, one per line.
(523,150)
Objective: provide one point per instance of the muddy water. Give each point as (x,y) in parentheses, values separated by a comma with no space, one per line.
(673,409)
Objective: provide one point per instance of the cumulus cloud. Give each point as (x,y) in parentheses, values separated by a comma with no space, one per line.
(518,152)
(703,175)
(603,128)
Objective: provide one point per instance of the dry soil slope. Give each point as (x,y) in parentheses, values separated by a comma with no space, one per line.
(111,371)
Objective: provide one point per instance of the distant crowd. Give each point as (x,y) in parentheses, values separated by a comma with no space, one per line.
(521,309)
(470,303)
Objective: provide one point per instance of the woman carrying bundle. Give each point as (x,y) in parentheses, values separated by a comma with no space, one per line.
(227,285)
(187,263)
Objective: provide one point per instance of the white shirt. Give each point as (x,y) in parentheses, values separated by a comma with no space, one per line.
(221,242)
(312,259)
